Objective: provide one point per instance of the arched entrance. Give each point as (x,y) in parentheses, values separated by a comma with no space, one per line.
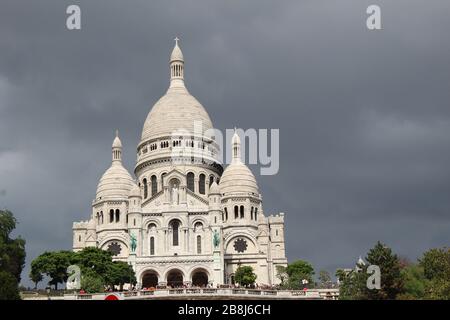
(199,278)
(150,280)
(175,279)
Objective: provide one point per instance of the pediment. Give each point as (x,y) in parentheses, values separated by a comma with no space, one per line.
(196,202)
(175,174)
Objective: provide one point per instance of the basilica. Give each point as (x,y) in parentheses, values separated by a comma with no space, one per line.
(181,218)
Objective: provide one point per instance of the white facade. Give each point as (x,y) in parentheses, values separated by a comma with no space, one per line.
(183,219)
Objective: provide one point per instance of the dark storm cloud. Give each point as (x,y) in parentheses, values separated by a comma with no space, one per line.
(364,117)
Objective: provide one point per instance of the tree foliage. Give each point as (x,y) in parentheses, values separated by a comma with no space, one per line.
(353,284)
(96,266)
(53,264)
(245,276)
(436,270)
(390,268)
(91,282)
(415,282)
(282,275)
(298,271)
(119,273)
(12,257)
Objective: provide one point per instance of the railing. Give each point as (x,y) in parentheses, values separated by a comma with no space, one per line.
(222,292)
(176,291)
(238,291)
(298,293)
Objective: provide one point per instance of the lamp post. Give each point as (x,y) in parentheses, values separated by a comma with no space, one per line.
(47,289)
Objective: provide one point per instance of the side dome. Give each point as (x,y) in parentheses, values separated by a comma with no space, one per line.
(116,182)
(238,179)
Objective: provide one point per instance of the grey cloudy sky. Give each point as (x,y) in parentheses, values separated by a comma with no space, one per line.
(364,116)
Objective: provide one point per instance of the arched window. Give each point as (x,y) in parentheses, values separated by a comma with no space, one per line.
(276,232)
(117,215)
(190,181)
(152,246)
(152,227)
(154,185)
(79,238)
(111,216)
(144,182)
(101,217)
(199,244)
(226,214)
(242,212)
(198,227)
(201,184)
(236,212)
(211,180)
(251,213)
(175,226)
(256,213)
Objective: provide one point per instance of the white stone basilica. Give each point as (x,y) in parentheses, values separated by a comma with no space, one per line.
(183,220)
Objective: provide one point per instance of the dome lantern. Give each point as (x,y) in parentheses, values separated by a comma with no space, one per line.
(176,66)
(117,149)
(236,143)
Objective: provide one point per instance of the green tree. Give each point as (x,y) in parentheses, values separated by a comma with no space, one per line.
(119,273)
(94,259)
(91,282)
(436,269)
(298,271)
(12,256)
(415,282)
(96,266)
(282,275)
(353,284)
(36,277)
(8,286)
(390,268)
(245,276)
(53,264)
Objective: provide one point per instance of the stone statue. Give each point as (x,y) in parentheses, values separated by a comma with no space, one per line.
(175,194)
(216,239)
(133,242)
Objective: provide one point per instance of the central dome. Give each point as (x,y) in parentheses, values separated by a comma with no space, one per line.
(177,110)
